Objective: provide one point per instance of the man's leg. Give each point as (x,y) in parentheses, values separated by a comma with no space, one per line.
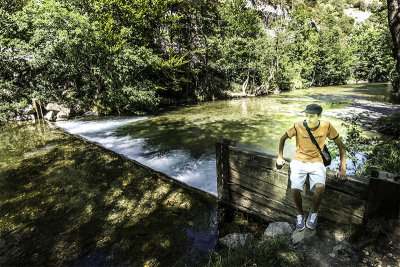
(297,200)
(318,194)
(297,178)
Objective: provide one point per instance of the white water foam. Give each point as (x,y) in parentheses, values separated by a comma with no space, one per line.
(199,173)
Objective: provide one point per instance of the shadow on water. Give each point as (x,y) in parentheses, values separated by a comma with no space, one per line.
(64,201)
(199,139)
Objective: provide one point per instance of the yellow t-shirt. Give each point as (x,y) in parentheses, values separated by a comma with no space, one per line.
(306,151)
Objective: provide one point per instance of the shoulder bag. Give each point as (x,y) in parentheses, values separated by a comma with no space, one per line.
(326,156)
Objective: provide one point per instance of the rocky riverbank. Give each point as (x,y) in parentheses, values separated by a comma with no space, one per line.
(376,243)
(366,111)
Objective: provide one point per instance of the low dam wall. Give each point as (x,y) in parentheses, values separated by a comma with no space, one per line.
(249,181)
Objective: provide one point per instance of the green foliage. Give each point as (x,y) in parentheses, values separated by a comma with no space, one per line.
(386,156)
(239,20)
(268,253)
(389,125)
(334,57)
(373,46)
(358,148)
(367,153)
(119,56)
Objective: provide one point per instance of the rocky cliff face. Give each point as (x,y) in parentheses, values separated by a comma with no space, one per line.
(269,13)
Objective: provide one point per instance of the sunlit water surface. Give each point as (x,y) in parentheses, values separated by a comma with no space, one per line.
(181,143)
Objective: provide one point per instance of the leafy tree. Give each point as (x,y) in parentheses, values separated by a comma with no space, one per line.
(334,57)
(394,25)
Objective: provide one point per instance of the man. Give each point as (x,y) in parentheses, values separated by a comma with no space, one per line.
(308,161)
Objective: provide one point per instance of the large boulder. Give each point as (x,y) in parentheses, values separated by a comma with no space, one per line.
(54,107)
(235,240)
(60,111)
(62,116)
(50,116)
(278,229)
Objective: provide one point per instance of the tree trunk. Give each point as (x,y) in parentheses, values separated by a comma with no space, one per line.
(394,25)
(246,83)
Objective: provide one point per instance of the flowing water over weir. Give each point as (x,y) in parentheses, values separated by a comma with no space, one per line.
(178,163)
(181,143)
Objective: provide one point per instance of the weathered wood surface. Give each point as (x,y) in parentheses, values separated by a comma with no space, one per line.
(333,200)
(354,186)
(222,161)
(256,186)
(218,157)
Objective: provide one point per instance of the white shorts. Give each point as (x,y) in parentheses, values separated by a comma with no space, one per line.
(299,171)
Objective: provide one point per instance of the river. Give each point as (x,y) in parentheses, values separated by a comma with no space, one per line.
(181,143)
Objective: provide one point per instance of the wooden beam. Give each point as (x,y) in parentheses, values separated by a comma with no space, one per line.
(218,157)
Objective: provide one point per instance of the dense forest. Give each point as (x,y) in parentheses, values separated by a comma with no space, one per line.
(134,56)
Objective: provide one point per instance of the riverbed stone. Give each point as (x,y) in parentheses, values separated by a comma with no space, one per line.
(29,110)
(53,107)
(89,113)
(49,116)
(278,229)
(235,240)
(62,115)
(22,117)
(304,236)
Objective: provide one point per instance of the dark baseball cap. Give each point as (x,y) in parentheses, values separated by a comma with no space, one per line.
(313,109)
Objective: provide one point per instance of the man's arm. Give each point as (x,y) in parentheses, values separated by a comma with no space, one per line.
(280,161)
(341,175)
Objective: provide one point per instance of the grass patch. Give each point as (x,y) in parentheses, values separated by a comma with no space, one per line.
(274,252)
(386,156)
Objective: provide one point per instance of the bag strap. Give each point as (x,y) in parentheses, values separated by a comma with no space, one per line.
(313,139)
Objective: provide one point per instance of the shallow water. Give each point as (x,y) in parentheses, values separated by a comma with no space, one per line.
(66,202)
(181,143)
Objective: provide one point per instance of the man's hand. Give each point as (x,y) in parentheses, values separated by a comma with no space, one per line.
(280,162)
(341,175)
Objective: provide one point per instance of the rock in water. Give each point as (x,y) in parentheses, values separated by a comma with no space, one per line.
(303,236)
(62,116)
(49,116)
(278,229)
(53,107)
(89,113)
(234,240)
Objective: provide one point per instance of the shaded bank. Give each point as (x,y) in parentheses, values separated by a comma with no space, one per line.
(64,201)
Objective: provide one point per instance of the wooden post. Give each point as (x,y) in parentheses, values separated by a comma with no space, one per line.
(222,158)
(218,157)
(36,103)
(383,196)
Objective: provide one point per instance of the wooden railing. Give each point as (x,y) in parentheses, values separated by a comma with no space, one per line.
(250,181)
